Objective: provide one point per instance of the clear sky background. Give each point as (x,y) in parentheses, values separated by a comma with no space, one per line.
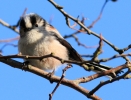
(115,26)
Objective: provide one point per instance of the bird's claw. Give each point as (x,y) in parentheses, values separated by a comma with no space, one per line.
(50,74)
(25,65)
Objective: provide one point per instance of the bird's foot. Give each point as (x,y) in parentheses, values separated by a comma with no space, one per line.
(25,65)
(50,74)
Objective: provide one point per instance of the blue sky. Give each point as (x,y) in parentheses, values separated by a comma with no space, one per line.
(114,26)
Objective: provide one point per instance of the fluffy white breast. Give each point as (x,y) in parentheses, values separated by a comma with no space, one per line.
(39,43)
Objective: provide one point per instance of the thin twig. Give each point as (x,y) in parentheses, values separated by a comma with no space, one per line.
(113,57)
(99,16)
(97,75)
(107,82)
(7,44)
(8,26)
(98,50)
(79,43)
(74,34)
(68,16)
(58,84)
(15,26)
(127,48)
(9,40)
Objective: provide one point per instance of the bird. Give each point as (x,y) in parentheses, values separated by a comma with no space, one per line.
(39,38)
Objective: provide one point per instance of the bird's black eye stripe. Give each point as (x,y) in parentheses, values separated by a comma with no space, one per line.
(44,22)
(33,20)
(22,23)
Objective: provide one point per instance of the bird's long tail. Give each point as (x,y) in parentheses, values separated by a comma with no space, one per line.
(100,68)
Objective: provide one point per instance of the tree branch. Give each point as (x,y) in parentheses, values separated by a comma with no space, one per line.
(42,73)
(107,82)
(97,75)
(8,26)
(67,16)
(81,24)
(58,84)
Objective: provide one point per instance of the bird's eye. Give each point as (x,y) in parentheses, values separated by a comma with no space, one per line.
(36,25)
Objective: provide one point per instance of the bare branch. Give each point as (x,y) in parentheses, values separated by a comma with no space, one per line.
(9,40)
(58,84)
(64,81)
(127,48)
(113,57)
(97,75)
(45,75)
(8,26)
(80,63)
(98,50)
(107,82)
(67,16)
(7,44)
(79,43)
(42,57)
(99,17)
(15,26)
(117,69)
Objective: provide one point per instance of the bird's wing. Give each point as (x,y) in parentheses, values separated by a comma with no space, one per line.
(73,55)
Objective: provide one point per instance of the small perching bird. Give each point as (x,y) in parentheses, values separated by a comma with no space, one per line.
(38,38)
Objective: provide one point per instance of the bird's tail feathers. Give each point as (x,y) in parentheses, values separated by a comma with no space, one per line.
(100,68)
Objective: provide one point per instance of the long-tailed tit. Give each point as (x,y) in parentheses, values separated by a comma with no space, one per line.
(38,38)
